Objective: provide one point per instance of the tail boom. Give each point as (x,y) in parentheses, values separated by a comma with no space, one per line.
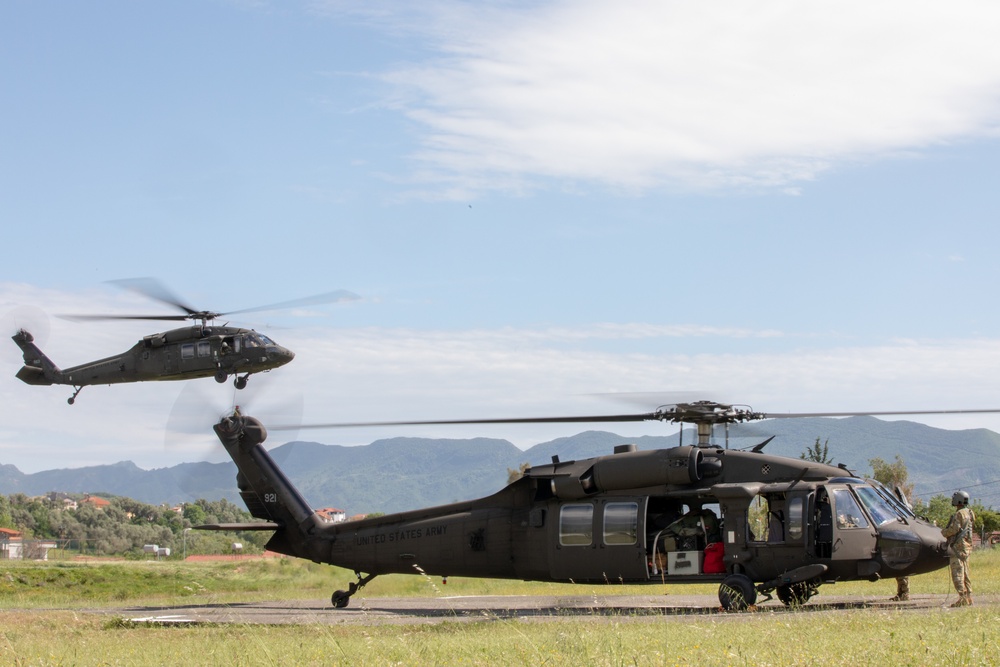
(269,495)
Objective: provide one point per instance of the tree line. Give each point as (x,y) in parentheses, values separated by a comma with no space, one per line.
(125,526)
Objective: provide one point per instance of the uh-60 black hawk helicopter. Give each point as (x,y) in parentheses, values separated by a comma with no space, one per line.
(198,351)
(749,521)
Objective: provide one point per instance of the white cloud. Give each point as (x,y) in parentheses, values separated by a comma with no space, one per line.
(644,94)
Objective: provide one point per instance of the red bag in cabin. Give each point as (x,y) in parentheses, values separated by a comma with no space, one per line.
(713,559)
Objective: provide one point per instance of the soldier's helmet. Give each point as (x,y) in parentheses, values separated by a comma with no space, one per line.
(959,498)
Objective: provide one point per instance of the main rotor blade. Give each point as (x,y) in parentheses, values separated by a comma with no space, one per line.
(84,318)
(886,413)
(336,296)
(155,290)
(684,416)
(522,420)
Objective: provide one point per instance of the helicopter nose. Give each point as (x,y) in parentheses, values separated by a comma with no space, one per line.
(280,355)
(933,552)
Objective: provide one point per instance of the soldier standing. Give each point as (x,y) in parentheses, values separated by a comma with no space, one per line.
(902,590)
(959,534)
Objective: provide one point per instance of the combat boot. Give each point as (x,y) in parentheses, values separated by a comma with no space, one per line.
(962,601)
(903,597)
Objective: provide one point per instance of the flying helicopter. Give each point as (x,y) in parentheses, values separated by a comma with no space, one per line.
(198,351)
(753,523)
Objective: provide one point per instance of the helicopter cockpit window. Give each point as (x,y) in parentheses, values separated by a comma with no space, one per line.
(265,340)
(878,508)
(251,340)
(904,510)
(846,509)
(576,525)
(621,523)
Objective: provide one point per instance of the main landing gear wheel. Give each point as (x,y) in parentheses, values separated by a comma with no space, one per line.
(221,377)
(240,383)
(340,599)
(794,594)
(737,593)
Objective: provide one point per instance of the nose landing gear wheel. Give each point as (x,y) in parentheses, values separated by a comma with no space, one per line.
(794,594)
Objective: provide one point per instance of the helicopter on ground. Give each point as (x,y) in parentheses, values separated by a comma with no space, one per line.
(198,351)
(751,522)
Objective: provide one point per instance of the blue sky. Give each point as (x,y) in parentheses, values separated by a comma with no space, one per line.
(788,205)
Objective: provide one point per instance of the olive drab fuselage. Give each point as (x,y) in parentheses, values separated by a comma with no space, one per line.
(613,519)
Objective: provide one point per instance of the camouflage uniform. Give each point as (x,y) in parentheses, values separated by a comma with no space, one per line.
(902,589)
(959,534)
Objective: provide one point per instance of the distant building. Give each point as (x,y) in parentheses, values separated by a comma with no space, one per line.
(10,544)
(14,547)
(95,502)
(332,515)
(64,498)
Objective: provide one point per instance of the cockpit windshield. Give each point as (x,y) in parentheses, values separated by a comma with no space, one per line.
(878,507)
(900,506)
(257,340)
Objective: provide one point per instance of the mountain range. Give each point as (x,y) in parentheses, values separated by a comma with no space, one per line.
(406,473)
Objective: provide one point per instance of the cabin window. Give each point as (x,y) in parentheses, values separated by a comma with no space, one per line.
(766,518)
(204,349)
(796,517)
(576,525)
(187,351)
(621,523)
(845,507)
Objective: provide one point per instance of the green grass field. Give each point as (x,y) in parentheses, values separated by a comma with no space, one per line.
(44,622)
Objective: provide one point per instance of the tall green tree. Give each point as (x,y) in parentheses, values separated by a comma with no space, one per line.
(818,453)
(514,475)
(6,521)
(893,475)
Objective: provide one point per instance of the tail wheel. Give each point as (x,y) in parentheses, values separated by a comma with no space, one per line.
(737,592)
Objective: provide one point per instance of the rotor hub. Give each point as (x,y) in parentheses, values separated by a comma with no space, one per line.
(707,412)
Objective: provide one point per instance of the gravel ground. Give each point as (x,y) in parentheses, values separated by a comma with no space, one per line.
(403,611)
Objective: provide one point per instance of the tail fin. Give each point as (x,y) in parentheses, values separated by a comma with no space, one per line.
(38,369)
(268,494)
